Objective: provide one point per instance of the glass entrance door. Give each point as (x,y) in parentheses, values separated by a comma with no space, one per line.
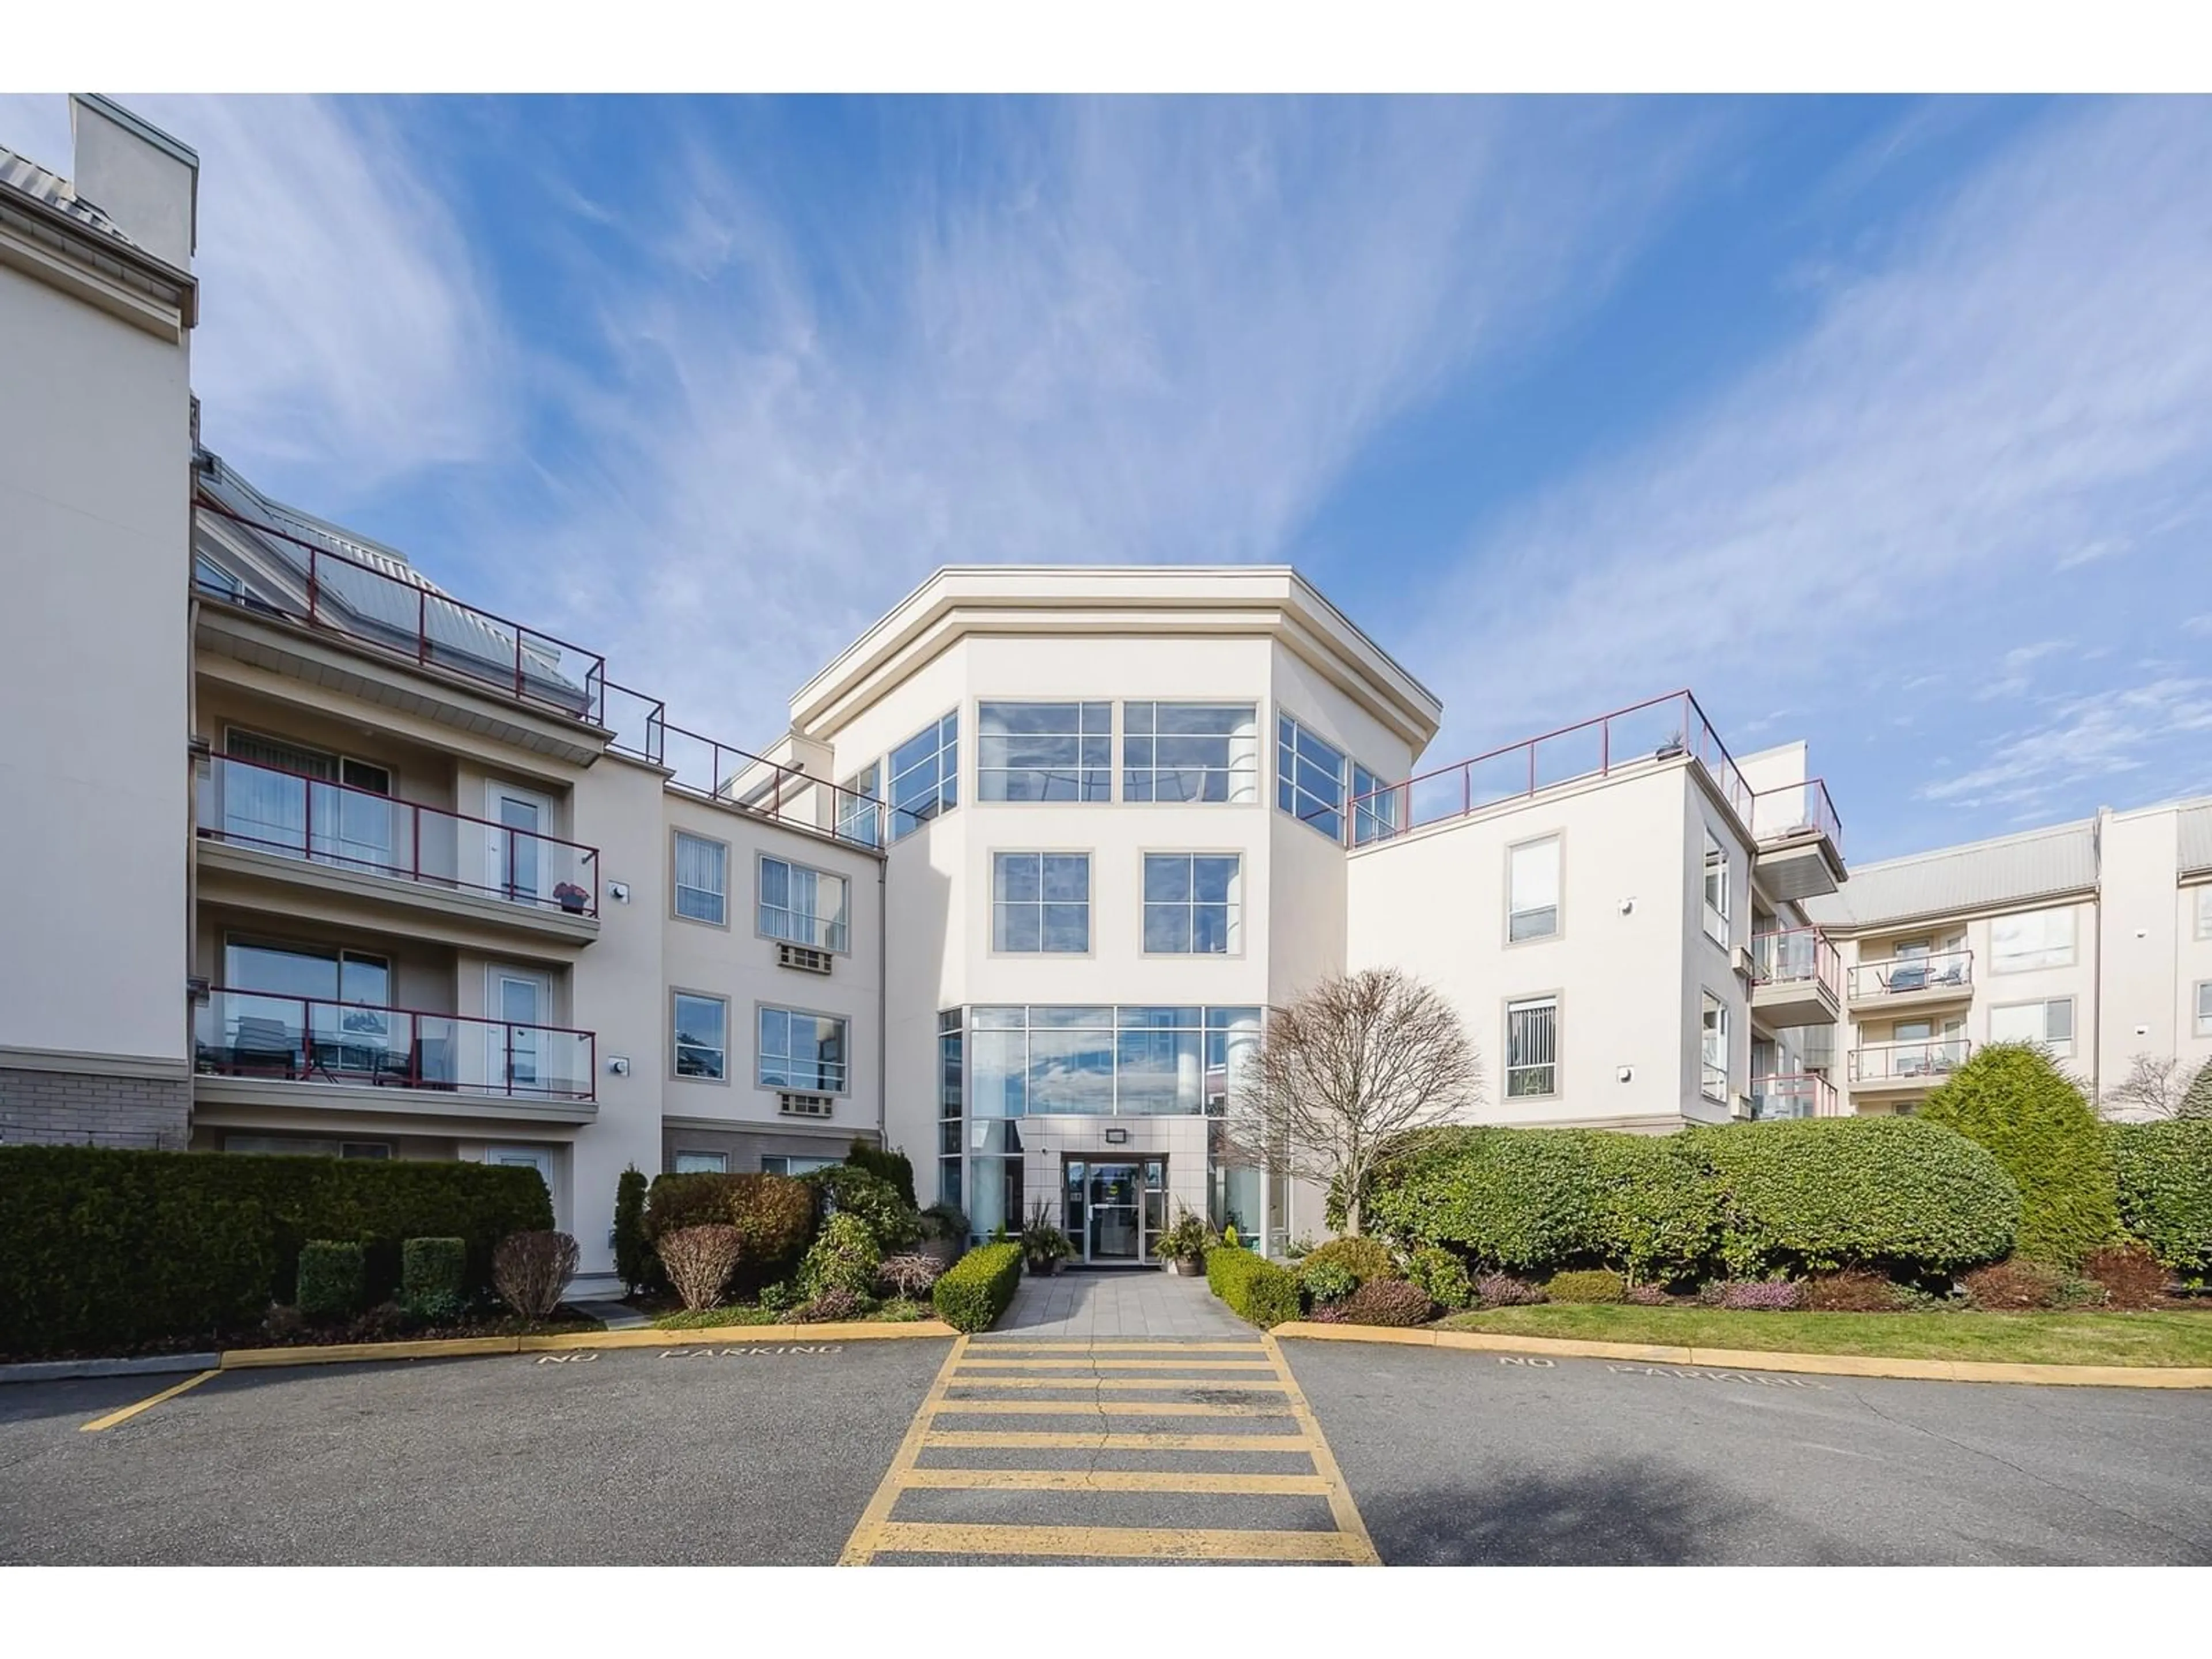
(1114,1210)
(1113,1213)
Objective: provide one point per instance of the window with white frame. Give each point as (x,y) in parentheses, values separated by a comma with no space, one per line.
(1374,807)
(802,1051)
(1193,904)
(860,813)
(306,1146)
(1532,885)
(925,775)
(1716,889)
(2039,939)
(2205,1008)
(1040,903)
(1190,752)
(1532,1047)
(1044,752)
(791,1163)
(2204,913)
(1713,1049)
(702,1162)
(1309,778)
(2050,1023)
(701,879)
(804,906)
(702,1041)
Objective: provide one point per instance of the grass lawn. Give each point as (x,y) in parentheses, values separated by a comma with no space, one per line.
(894,1312)
(2056,1338)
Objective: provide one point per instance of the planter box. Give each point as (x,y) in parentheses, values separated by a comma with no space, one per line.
(1186,1268)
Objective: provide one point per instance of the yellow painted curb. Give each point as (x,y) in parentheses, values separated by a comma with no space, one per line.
(1758,1360)
(462,1347)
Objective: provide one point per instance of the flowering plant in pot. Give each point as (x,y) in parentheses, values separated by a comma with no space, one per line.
(1043,1245)
(1182,1246)
(571,897)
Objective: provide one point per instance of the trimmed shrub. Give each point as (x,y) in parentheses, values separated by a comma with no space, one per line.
(1441,1274)
(2165,1173)
(1389,1302)
(1895,1193)
(844,1257)
(847,1189)
(2131,1276)
(531,1269)
(103,1251)
(1504,1291)
(699,1260)
(910,1276)
(975,1289)
(1588,1285)
(832,1305)
(2011,1098)
(1251,1286)
(894,1169)
(774,1214)
(1363,1258)
(333,1279)
(633,1254)
(432,1272)
(1854,1290)
(1327,1281)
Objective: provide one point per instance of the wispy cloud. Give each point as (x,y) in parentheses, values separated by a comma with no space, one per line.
(1119,331)
(346,336)
(2104,735)
(2012,676)
(2027,374)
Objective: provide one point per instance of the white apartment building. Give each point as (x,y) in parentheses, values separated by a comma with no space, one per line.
(2094,937)
(319,858)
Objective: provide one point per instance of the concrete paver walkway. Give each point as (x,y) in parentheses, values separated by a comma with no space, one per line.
(1124,1302)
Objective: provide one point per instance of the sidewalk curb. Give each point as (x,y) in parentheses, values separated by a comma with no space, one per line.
(1753,1359)
(462,1347)
(70,1371)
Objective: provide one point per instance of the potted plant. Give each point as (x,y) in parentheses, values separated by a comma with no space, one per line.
(1043,1245)
(573,898)
(1182,1246)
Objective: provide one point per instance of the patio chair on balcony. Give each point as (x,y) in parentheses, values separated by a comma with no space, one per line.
(264,1046)
(1906,977)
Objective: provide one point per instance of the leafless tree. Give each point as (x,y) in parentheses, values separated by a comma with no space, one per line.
(699,1261)
(2162,1087)
(1346,1068)
(531,1270)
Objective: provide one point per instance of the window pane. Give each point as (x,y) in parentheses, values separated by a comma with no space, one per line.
(702,1162)
(1017,928)
(1213,880)
(1167,928)
(700,889)
(1167,877)
(1044,751)
(1067,927)
(924,775)
(1071,1071)
(700,1026)
(1067,877)
(1535,879)
(1017,878)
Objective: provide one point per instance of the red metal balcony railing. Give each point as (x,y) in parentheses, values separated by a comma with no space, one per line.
(1795,955)
(1661,729)
(709,769)
(245,804)
(1909,1063)
(324,588)
(256,1034)
(1938,971)
(1794,808)
(1794,1094)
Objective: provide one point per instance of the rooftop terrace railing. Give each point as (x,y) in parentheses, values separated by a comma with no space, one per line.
(330,590)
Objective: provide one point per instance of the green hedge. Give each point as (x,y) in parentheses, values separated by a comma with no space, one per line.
(333,1279)
(1809,1194)
(774,1214)
(895,1169)
(2011,1098)
(975,1289)
(434,1276)
(1253,1287)
(2165,1172)
(848,1189)
(104,1251)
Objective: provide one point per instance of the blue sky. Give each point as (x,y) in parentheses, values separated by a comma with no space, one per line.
(1884,422)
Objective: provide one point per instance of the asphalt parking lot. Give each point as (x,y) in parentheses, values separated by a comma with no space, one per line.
(771,1454)
(1478,1458)
(717,1455)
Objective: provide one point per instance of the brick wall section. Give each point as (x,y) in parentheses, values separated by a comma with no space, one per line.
(82,1109)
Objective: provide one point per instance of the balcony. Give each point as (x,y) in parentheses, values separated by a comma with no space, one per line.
(1794,1094)
(1914,982)
(356,1053)
(1799,840)
(1796,978)
(1882,1066)
(320,837)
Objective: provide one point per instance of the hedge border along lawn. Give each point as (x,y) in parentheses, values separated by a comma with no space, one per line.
(2165,1189)
(975,1289)
(2012,1098)
(1253,1288)
(104,1251)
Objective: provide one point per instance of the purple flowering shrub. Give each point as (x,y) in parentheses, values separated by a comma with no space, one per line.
(1504,1291)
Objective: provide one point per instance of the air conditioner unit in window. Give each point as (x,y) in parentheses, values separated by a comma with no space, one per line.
(803,957)
(804,1105)
(1744,964)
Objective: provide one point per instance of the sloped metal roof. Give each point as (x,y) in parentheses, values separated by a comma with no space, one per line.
(1984,875)
(27,177)
(2195,840)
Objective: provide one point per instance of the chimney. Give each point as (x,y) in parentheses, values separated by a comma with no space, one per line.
(143,179)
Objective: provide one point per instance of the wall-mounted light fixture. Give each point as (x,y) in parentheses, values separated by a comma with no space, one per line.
(618,1065)
(619,891)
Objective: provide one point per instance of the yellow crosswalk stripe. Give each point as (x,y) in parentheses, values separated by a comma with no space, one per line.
(1125,1347)
(1122,1364)
(1126,1407)
(1185,1543)
(1340,1496)
(1237,1384)
(1104,1442)
(1181,1480)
